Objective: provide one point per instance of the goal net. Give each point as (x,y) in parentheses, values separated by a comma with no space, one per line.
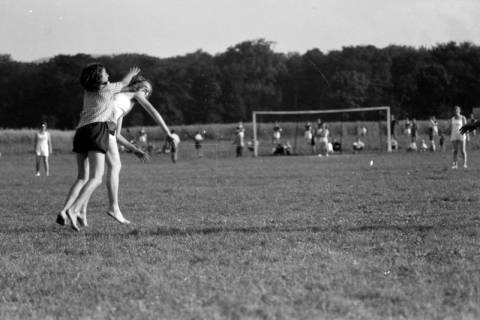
(290,129)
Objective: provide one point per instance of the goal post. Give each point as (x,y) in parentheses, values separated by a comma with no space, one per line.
(256,114)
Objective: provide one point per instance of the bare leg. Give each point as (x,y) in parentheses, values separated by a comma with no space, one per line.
(114,166)
(46,165)
(37,165)
(455,154)
(463,151)
(96,162)
(82,169)
(82,217)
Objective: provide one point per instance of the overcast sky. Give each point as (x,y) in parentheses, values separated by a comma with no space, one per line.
(33,29)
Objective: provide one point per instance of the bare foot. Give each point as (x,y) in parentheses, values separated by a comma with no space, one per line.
(117,215)
(72,216)
(61,218)
(82,219)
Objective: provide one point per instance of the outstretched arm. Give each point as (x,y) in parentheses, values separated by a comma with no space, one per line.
(142,100)
(132,73)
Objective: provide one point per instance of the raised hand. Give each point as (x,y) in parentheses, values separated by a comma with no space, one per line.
(134,71)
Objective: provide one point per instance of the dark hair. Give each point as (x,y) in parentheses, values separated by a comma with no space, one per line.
(91,77)
(137,83)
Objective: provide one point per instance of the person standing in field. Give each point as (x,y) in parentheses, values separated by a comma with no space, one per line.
(432,132)
(408,127)
(322,137)
(414,130)
(91,139)
(277,133)
(142,139)
(198,138)
(239,142)
(308,133)
(458,127)
(441,142)
(472,120)
(43,149)
(393,125)
(363,131)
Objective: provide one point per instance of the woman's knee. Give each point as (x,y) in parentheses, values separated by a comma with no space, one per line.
(113,169)
(115,165)
(95,180)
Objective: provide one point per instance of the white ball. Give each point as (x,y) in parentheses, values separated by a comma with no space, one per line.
(371,163)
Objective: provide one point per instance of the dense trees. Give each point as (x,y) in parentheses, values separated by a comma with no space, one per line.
(201,88)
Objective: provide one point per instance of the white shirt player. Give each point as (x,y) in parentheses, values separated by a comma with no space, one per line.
(457,123)
(122,104)
(175,138)
(41,148)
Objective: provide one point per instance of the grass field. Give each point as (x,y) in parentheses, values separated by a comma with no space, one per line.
(264,238)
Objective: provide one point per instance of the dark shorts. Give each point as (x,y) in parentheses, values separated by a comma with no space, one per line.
(93,137)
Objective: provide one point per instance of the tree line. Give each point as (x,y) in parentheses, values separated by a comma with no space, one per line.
(226,87)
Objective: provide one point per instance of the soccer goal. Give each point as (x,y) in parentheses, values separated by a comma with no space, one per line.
(371,125)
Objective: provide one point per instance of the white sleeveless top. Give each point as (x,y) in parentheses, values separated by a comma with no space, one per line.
(456,125)
(122,104)
(41,149)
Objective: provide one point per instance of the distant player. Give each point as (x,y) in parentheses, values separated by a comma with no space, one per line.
(408,127)
(43,148)
(323,133)
(308,133)
(358,145)
(414,130)
(423,145)
(393,124)
(432,132)
(239,141)
(277,132)
(458,126)
(198,138)
(441,142)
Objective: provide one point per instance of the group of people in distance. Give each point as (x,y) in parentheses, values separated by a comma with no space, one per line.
(319,139)
(97,136)
(458,127)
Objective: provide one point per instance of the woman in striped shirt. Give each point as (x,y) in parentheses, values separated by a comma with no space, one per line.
(90,142)
(138,91)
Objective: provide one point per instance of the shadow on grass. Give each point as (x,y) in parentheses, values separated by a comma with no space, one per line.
(174,231)
(169,231)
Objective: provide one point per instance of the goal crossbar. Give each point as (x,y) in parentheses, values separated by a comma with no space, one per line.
(256,113)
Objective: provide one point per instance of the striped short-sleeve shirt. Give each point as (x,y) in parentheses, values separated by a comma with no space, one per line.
(98,106)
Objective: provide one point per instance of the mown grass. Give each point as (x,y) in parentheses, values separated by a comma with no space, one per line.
(263,238)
